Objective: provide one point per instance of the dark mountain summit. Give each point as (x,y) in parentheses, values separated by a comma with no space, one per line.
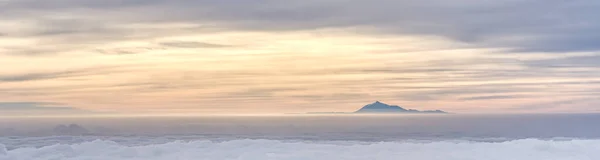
(379,107)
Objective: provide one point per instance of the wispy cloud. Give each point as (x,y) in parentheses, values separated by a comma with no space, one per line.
(54,74)
(491,97)
(38,108)
(31,106)
(518,25)
(192,44)
(590,61)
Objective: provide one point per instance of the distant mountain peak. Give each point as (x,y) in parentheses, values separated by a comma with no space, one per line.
(380,107)
(378,103)
(72,129)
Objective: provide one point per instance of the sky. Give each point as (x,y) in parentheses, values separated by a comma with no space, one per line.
(295,56)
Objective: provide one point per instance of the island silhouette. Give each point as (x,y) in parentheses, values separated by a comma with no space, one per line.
(382,108)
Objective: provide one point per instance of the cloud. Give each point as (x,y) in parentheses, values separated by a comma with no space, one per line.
(36,76)
(128,50)
(35,108)
(454,92)
(262,92)
(491,97)
(335,97)
(35,51)
(55,74)
(591,61)
(524,25)
(191,44)
(580,104)
(503,90)
(31,106)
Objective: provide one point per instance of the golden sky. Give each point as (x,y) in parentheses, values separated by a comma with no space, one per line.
(167,57)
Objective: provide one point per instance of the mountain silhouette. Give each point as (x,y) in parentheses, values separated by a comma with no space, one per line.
(379,107)
(72,129)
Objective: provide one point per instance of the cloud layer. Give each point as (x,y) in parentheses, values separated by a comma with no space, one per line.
(272,149)
(525,25)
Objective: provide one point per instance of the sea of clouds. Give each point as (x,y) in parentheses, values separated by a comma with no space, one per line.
(524,149)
